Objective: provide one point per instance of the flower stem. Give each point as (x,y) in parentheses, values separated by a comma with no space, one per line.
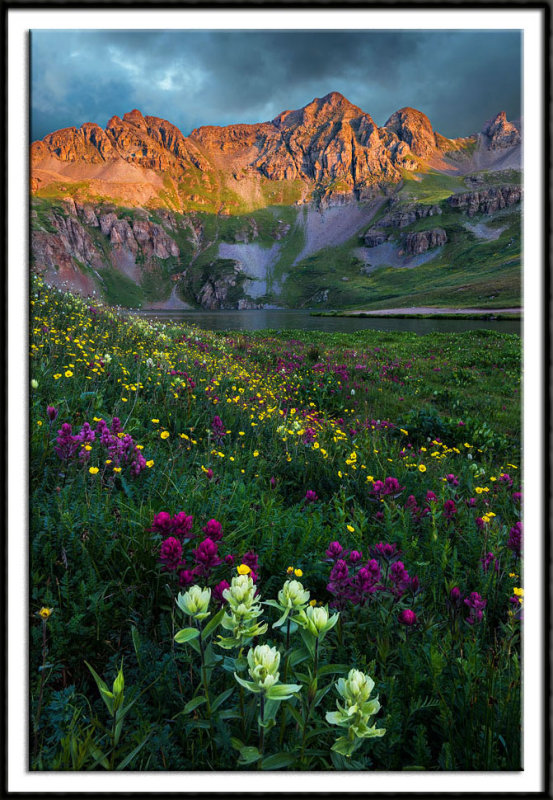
(262,719)
(204,672)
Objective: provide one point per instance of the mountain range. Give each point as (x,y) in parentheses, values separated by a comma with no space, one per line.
(318,207)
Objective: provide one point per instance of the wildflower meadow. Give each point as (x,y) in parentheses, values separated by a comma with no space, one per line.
(271,550)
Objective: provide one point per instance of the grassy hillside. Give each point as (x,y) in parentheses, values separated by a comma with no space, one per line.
(469,270)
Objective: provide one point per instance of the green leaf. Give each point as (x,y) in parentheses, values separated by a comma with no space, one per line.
(278,761)
(250,685)
(282,691)
(298,655)
(98,755)
(204,724)
(249,755)
(195,644)
(345,746)
(308,640)
(212,624)
(136,643)
(330,669)
(271,709)
(295,713)
(229,664)
(321,694)
(193,704)
(281,620)
(105,693)
(221,698)
(186,634)
(229,714)
(127,760)
(226,642)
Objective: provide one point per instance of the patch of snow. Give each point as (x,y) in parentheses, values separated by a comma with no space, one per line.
(256,262)
(481,231)
(387,254)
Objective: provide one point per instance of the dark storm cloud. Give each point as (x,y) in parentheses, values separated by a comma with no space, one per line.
(458,78)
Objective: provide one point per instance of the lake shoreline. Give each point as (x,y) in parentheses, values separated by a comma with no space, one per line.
(427,312)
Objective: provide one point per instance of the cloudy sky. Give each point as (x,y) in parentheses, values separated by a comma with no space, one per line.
(458,78)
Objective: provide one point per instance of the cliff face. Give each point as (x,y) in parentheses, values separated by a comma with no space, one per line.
(421,241)
(486,201)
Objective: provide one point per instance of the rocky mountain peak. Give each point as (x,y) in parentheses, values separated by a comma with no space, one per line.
(331,107)
(136,118)
(500,132)
(414,128)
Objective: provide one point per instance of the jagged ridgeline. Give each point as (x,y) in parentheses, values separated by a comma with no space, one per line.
(319,207)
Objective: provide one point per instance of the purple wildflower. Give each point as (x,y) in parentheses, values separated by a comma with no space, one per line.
(334,551)
(514,542)
(162,523)
(449,509)
(206,557)
(407,617)
(51,413)
(455,595)
(398,578)
(187,577)
(476,604)
(214,530)
(489,560)
(182,525)
(170,553)
(217,593)
(385,550)
(66,444)
(218,429)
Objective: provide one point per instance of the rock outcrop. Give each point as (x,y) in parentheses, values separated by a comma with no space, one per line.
(407,215)
(486,201)
(421,241)
(214,292)
(374,237)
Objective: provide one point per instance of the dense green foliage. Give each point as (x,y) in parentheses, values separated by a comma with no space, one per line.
(308,425)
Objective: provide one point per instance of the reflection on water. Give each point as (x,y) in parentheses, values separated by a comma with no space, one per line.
(287,320)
